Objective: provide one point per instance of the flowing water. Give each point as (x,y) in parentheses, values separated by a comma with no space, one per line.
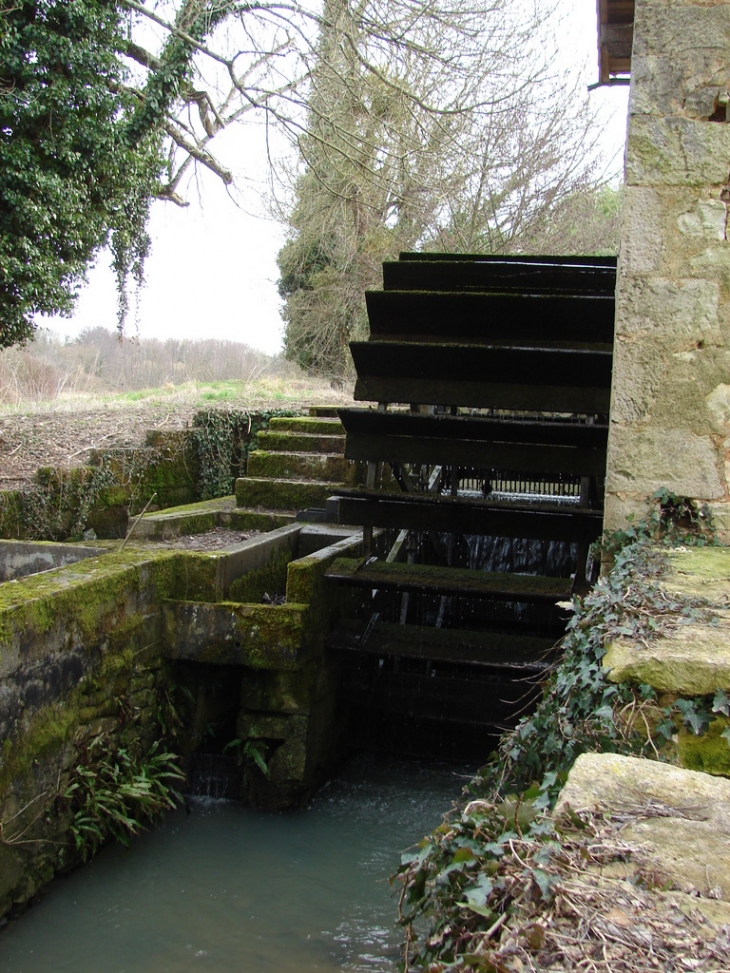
(230,890)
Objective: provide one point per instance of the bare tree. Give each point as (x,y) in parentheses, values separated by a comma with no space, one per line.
(438,151)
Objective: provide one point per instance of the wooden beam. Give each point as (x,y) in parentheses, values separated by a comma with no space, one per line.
(462,516)
(438,580)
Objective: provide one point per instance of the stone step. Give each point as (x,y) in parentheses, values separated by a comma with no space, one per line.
(303,466)
(292,442)
(313,426)
(282,494)
(324,411)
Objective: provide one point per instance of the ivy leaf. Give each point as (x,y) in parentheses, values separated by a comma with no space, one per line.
(721,704)
(543,881)
(695,718)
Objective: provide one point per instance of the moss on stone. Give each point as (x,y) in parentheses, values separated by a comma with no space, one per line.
(281,494)
(270,580)
(307,424)
(709,752)
(261,520)
(291,442)
(700,572)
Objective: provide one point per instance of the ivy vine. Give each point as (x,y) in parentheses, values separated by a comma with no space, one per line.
(222,439)
(455,881)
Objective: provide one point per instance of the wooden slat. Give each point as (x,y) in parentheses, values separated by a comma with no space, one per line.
(484,649)
(513,258)
(528,460)
(448,700)
(475,443)
(478,428)
(538,379)
(464,516)
(491,317)
(434,579)
(451,275)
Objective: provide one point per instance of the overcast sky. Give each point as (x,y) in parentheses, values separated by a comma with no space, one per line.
(212,271)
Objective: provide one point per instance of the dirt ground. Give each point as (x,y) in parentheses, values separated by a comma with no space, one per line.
(63,437)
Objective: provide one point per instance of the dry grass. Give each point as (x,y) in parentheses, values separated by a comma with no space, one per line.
(611,910)
(61,431)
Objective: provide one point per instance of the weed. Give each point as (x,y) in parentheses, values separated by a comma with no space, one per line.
(251,752)
(116,790)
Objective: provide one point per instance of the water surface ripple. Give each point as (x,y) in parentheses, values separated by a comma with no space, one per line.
(229,890)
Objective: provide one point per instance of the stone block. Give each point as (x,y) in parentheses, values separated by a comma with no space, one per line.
(690,84)
(689,838)
(641,239)
(282,494)
(684,310)
(675,151)
(708,220)
(289,763)
(644,460)
(713,264)
(718,409)
(638,372)
(694,660)
(278,692)
(623,509)
(311,425)
(720,515)
(673,29)
(699,572)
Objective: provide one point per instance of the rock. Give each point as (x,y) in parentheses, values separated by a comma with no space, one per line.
(694,660)
(680,818)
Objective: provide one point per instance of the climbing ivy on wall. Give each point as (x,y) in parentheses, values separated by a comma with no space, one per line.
(223,439)
(454,881)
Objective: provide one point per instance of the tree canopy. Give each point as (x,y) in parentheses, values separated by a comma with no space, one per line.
(71,170)
(403,110)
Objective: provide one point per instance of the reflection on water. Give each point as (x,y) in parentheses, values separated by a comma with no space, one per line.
(225,889)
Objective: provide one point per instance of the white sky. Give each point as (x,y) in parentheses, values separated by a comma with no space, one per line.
(212,272)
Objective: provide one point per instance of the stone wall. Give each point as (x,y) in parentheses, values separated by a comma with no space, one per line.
(79,659)
(100,650)
(670,409)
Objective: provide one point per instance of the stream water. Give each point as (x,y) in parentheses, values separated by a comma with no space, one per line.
(229,890)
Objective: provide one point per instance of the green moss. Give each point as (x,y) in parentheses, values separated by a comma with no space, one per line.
(709,752)
(281,692)
(307,424)
(292,442)
(200,507)
(271,580)
(270,636)
(48,731)
(196,577)
(78,597)
(312,466)
(281,494)
(261,520)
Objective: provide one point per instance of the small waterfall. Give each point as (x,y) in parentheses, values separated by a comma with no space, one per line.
(553,559)
(213,775)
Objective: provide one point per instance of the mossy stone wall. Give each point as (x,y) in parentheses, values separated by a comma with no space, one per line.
(670,404)
(97,647)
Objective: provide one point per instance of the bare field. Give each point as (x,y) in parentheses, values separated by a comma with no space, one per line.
(63,431)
